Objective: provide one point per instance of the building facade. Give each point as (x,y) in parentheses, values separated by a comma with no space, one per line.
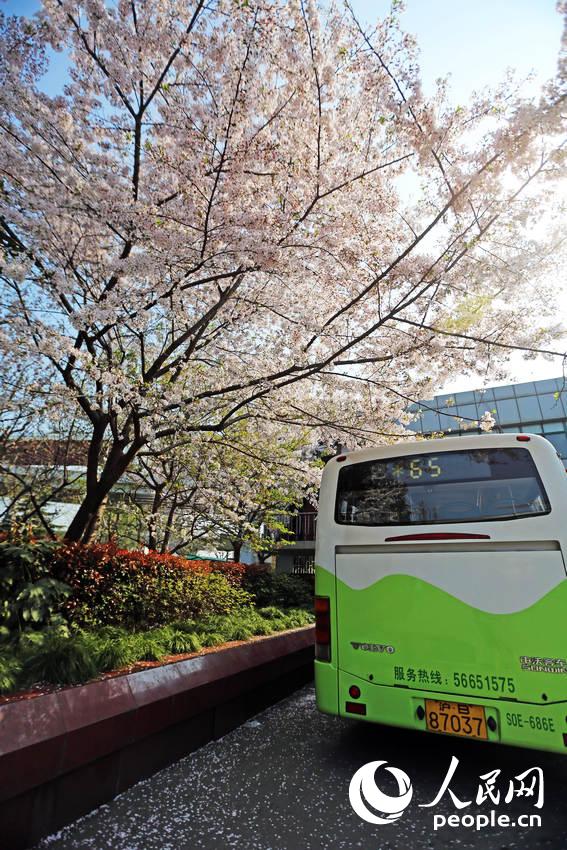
(298,556)
(536,407)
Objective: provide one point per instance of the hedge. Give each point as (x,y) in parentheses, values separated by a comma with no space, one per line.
(44,583)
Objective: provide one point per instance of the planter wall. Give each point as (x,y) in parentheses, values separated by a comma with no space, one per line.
(63,754)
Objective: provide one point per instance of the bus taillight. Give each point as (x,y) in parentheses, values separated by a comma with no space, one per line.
(322,628)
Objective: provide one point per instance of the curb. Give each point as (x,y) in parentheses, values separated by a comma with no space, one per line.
(65,753)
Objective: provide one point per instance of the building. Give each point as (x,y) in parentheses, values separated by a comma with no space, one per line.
(538,407)
(298,555)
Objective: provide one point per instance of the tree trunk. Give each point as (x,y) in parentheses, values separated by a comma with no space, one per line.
(152,530)
(84,522)
(94,522)
(169,526)
(236,547)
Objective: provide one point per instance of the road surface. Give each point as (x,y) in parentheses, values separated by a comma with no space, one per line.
(281,782)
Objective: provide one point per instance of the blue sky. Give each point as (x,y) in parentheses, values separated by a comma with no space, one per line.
(477,41)
(473,41)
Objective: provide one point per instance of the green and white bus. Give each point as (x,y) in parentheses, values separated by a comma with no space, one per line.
(441,588)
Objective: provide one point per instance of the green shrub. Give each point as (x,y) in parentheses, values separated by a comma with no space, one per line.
(181,642)
(137,591)
(64,656)
(113,653)
(269,612)
(62,661)
(30,598)
(240,632)
(280,589)
(10,671)
(212,638)
(262,627)
(43,583)
(187,626)
(152,646)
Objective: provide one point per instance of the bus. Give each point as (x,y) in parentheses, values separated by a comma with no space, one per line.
(441,591)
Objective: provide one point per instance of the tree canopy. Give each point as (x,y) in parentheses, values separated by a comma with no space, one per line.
(249,210)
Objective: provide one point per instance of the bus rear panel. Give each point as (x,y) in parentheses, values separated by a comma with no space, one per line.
(441,589)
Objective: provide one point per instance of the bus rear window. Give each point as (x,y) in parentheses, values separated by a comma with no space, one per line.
(454,486)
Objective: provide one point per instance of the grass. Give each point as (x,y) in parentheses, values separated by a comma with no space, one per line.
(62,658)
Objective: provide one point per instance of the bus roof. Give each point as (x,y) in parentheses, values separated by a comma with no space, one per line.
(451,443)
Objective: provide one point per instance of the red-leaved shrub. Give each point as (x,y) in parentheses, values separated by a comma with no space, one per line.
(112,586)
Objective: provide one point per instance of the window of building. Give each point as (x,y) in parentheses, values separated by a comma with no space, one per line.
(465,398)
(445,400)
(533,428)
(553,427)
(551,407)
(447,417)
(484,396)
(467,411)
(529,408)
(550,385)
(507,411)
(525,389)
(430,421)
(503,392)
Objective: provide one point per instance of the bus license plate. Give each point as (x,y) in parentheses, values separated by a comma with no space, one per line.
(456,718)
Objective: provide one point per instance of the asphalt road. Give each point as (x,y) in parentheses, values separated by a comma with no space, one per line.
(281,781)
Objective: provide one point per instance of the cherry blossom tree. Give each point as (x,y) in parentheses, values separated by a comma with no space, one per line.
(248,210)
(226,490)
